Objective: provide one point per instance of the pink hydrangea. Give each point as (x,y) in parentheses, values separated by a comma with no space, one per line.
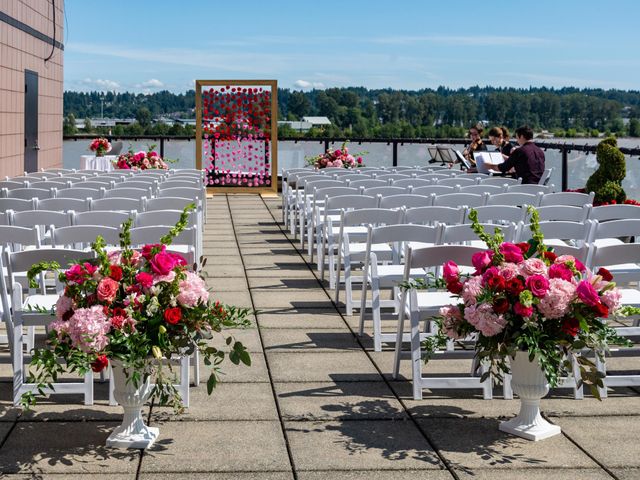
(611,298)
(452,318)
(557,302)
(471,289)
(484,319)
(63,305)
(533,266)
(88,329)
(192,290)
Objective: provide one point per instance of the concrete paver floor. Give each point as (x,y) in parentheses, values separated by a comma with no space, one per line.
(317,402)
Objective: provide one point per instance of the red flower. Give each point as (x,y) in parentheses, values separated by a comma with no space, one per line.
(521,310)
(144,279)
(524,247)
(115,272)
(99,363)
(500,305)
(570,326)
(454,287)
(550,256)
(601,310)
(514,286)
(118,312)
(147,249)
(173,315)
(605,274)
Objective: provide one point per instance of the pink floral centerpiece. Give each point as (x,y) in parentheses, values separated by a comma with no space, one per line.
(100,146)
(340,158)
(140,160)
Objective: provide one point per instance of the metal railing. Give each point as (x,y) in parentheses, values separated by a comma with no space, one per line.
(564,148)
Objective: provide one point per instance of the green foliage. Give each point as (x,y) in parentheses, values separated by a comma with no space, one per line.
(606,181)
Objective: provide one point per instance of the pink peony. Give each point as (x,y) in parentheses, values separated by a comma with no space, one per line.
(450,271)
(533,266)
(611,298)
(192,290)
(521,310)
(482,260)
(144,279)
(560,270)
(63,306)
(107,290)
(88,329)
(538,284)
(587,294)
(483,318)
(511,252)
(557,302)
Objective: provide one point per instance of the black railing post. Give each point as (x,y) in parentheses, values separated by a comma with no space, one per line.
(395,153)
(162,147)
(565,168)
(326,146)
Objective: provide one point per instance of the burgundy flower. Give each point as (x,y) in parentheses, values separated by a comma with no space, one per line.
(601,310)
(500,305)
(514,286)
(570,326)
(100,363)
(605,274)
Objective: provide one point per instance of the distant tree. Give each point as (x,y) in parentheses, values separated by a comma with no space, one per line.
(143,116)
(69,125)
(299,105)
(134,129)
(634,127)
(87,125)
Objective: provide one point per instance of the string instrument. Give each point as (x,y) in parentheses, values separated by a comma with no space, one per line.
(473,146)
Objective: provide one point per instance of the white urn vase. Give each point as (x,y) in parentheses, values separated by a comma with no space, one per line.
(530,384)
(133,432)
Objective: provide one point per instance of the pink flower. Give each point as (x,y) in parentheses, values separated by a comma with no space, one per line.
(337,153)
(162,263)
(482,260)
(452,318)
(471,289)
(538,284)
(450,271)
(484,319)
(611,298)
(557,302)
(534,266)
(521,310)
(63,306)
(560,270)
(511,252)
(509,271)
(107,290)
(88,329)
(144,279)
(587,294)
(192,291)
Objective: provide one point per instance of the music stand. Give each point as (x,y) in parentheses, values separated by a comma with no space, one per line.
(465,163)
(435,155)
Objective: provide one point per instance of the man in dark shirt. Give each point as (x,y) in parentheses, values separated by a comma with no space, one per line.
(528,160)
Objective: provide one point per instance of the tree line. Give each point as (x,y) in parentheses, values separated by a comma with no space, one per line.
(362,112)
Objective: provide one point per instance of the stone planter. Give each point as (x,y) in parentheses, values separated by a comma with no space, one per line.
(530,384)
(132,433)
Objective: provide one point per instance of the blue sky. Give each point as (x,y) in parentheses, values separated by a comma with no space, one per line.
(146,46)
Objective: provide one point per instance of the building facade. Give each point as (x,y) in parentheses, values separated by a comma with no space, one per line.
(31,85)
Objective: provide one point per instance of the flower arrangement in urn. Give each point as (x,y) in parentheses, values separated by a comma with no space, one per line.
(340,158)
(135,310)
(527,304)
(100,146)
(140,160)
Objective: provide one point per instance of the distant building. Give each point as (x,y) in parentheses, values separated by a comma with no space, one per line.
(297,126)
(317,121)
(104,122)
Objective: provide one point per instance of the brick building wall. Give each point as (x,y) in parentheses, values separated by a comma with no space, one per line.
(26,33)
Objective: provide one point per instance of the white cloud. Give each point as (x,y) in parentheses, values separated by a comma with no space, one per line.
(303,84)
(151,83)
(464,41)
(99,84)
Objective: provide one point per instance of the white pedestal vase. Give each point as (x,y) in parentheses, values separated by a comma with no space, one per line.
(530,384)
(132,433)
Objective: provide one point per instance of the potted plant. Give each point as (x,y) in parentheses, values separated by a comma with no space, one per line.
(531,314)
(135,310)
(340,158)
(100,146)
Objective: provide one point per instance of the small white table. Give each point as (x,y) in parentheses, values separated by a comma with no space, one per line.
(91,162)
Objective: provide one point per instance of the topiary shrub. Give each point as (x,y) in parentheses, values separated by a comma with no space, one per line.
(606,181)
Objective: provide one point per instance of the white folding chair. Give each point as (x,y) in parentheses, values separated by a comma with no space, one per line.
(423,304)
(96,184)
(560,232)
(12,185)
(567,198)
(412,182)
(62,204)
(564,212)
(197,195)
(80,237)
(459,181)
(605,213)
(385,191)
(434,190)
(431,215)
(106,218)
(43,220)
(16,204)
(406,200)
(25,316)
(459,199)
(351,251)
(389,275)
(168,218)
(514,198)
(368,183)
(497,180)
(81,193)
(128,192)
(534,188)
(482,189)
(500,214)
(27,193)
(123,204)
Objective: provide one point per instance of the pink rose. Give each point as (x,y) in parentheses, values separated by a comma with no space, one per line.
(534,266)
(162,263)
(144,279)
(560,270)
(587,294)
(107,290)
(452,318)
(538,284)
(511,252)
(521,310)
(482,260)
(450,271)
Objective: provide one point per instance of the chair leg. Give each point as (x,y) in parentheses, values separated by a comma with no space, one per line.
(348,287)
(375,311)
(336,277)
(416,357)
(399,337)
(184,379)
(363,303)
(88,388)
(196,367)
(18,363)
